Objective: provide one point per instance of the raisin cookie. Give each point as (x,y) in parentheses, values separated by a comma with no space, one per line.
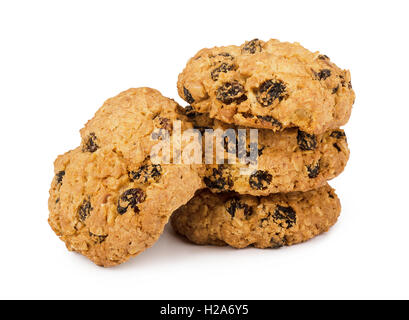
(108,200)
(286,161)
(273,85)
(263,222)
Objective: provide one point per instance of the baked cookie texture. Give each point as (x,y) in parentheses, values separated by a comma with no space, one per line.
(287,161)
(263,222)
(126,122)
(273,85)
(108,201)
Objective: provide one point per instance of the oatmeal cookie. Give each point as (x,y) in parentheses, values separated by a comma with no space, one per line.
(108,200)
(273,85)
(263,222)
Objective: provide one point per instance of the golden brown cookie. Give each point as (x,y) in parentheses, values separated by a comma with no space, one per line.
(108,201)
(273,85)
(287,161)
(263,222)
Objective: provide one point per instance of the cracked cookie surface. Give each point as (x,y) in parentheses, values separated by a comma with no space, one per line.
(108,201)
(287,161)
(273,85)
(263,222)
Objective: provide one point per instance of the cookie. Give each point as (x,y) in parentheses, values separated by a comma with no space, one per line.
(287,161)
(263,222)
(273,85)
(108,200)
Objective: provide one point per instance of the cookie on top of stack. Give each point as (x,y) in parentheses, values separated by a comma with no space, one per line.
(298,99)
(110,201)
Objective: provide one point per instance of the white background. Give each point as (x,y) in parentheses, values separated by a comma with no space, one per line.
(60,60)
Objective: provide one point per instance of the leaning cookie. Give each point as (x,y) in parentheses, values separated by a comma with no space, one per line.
(108,201)
(286,161)
(273,85)
(263,222)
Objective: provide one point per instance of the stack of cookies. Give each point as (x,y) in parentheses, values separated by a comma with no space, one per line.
(110,200)
(298,100)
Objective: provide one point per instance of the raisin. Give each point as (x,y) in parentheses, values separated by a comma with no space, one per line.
(342,80)
(130,198)
(218,181)
(91,143)
(349,85)
(335,90)
(323,74)
(336,146)
(226,55)
(306,141)
(222,54)
(190,112)
(323,57)
(260,180)
(271,90)
(98,238)
(59,176)
(57,200)
(285,215)
(188,96)
(84,210)
(145,173)
(224,67)
(270,119)
(337,134)
(231,92)
(252,46)
(235,204)
(314,170)
(164,123)
(330,194)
